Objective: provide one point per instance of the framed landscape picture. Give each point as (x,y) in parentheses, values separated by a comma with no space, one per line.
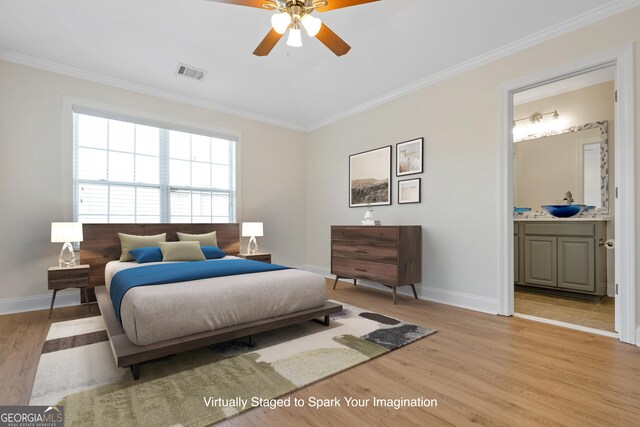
(370,178)
(409,191)
(409,158)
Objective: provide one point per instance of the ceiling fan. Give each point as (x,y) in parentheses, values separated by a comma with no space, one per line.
(294,14)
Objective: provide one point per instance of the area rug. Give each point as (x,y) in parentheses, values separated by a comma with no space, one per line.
(202,387)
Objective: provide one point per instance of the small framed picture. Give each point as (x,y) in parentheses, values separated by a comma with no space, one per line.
(409,191)
(409,158)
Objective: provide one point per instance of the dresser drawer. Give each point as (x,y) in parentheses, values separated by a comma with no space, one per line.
(369,251)
(372,233)
(355,268)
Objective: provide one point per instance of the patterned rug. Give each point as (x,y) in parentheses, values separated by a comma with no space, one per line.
(202,387)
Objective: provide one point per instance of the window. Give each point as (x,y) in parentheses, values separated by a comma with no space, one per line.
(131,171)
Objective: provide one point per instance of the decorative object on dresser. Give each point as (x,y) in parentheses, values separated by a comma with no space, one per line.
(370,178)
(368,217)
(252,230)
(409,191)
(60,278)
(66,232)
(409,159)
(260,256)
(390,255)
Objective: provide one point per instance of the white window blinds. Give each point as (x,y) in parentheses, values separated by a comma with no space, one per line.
(133,171)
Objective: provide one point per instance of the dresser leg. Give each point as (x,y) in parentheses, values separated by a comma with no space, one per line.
(355,282)
(413,288)
(393,291)
(86,299)
(335,282)
(53,298)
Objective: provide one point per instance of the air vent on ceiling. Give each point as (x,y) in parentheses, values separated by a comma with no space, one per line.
(192,72)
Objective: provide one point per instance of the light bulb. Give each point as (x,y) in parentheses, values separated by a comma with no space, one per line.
(280,22)
(311,24)
(295,38)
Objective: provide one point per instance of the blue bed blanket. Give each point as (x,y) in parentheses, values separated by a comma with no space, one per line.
(160,274)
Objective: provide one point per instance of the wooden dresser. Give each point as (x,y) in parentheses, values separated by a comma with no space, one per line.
(390,255)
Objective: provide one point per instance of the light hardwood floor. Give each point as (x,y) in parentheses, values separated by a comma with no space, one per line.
(482,369)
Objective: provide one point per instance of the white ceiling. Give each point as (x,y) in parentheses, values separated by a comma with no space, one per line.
(395,44)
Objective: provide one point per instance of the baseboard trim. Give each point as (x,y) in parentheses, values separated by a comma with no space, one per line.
(638,335)
(439,295)
(39,302)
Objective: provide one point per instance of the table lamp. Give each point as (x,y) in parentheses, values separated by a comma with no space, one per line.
(66,232)
(252,229)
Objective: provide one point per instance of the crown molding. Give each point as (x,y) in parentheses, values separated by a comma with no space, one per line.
(66,70)
(595,15)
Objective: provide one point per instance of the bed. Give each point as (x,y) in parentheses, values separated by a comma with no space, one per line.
(161,320)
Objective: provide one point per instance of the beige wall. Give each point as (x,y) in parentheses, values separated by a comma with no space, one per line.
(36,173)
(460,122)
(577,107)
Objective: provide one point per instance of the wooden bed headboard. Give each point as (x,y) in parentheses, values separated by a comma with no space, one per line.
(101,243)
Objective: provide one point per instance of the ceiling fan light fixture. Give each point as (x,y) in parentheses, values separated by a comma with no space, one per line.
(295,37)
(311,24)
(280,22)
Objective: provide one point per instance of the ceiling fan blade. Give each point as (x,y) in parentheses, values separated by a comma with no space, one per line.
(250,3)
(332,41)
(339,4)
(267,44)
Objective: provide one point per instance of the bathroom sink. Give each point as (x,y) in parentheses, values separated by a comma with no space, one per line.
(563,211)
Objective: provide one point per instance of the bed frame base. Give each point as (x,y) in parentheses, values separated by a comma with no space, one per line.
(130,355)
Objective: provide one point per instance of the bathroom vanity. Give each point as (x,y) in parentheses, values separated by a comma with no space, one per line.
(561,256)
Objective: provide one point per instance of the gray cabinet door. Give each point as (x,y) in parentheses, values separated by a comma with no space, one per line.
(576,263)
(541,264)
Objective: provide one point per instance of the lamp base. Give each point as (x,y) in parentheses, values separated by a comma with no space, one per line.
(252,247)
(67,258)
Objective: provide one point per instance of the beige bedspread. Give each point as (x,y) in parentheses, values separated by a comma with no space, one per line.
(157,313)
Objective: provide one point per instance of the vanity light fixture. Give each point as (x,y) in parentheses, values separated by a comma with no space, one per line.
(537,117)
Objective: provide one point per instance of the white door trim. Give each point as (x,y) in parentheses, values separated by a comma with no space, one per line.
(625,272)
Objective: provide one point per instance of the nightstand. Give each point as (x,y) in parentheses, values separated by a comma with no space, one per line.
(261,256)
(68,277)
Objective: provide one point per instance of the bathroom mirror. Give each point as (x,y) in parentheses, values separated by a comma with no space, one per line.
(574,159)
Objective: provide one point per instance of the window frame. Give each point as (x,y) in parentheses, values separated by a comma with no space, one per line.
(164,158)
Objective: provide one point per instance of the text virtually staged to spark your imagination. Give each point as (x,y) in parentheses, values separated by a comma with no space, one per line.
(319,403)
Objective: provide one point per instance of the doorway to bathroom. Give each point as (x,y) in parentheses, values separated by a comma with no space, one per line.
(563,220)
(567,238)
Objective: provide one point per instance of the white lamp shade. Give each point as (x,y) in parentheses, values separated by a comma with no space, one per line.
(311,24)
(62,232)
(280,22)
(295,38)
(252,229)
